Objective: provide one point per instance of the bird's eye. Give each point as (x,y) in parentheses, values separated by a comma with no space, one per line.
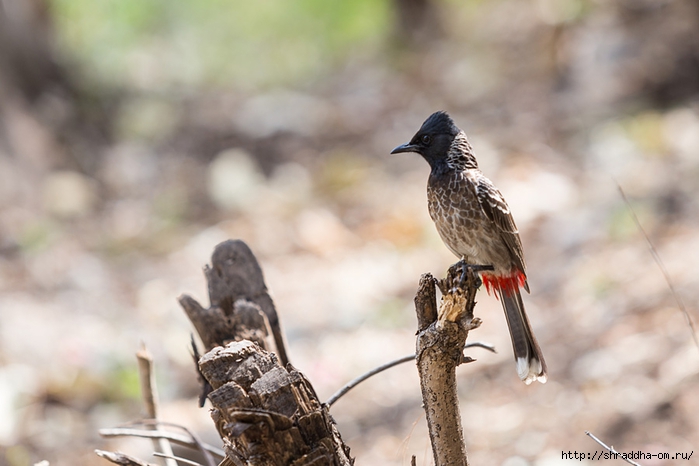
(426,139)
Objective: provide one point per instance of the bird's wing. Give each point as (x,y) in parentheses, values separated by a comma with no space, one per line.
(496,209)
(494,206)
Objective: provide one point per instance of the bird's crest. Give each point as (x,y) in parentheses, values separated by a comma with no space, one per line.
(439,123)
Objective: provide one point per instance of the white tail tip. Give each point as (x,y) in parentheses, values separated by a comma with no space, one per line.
(530,370)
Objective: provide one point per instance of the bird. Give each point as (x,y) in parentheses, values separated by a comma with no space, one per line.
(476,225)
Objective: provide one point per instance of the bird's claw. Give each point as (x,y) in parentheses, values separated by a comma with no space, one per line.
(474,269)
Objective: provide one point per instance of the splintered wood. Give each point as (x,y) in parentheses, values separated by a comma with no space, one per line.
(266,412)
(442,333)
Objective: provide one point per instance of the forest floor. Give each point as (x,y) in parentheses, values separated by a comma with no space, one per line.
(93,256)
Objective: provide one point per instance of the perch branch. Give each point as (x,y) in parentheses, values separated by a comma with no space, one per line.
(440,342)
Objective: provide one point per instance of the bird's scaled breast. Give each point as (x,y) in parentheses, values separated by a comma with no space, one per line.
(461,222)
(452,203)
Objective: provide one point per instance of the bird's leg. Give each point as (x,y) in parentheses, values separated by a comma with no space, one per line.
(464,269)
(479,268)
(474,268)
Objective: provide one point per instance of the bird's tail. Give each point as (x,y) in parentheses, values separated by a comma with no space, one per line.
(530,361)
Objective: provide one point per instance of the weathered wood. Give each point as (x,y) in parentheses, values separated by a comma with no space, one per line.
(235,274)
(243,321)
(267,413)
(440,344)
(426,301)
(239,300)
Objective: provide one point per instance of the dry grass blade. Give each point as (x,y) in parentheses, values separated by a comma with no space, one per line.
(206,450)
(123,459)
(661,265)
(150,399)
(175,438)
(179,459)
(611,449)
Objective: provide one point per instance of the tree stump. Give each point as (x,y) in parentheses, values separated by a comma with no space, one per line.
(267,413)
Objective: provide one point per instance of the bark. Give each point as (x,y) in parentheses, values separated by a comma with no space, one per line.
(440,341)
(239,302)
(267,413)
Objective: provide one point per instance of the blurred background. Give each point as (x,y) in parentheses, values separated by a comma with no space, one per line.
(134,136)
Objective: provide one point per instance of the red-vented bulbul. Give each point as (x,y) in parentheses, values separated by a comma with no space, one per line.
(475,223)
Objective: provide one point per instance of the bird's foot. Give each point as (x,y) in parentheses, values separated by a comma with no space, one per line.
(465,268)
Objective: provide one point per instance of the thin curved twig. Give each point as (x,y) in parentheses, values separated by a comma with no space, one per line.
(662,268)
(353,383)
(175,438)
(611,449)
(179,459)
(122,459)
(201,446)
(481,344)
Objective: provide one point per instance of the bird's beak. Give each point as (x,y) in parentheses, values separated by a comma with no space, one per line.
(407,147)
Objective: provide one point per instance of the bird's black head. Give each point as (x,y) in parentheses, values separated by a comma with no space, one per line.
(433,140)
